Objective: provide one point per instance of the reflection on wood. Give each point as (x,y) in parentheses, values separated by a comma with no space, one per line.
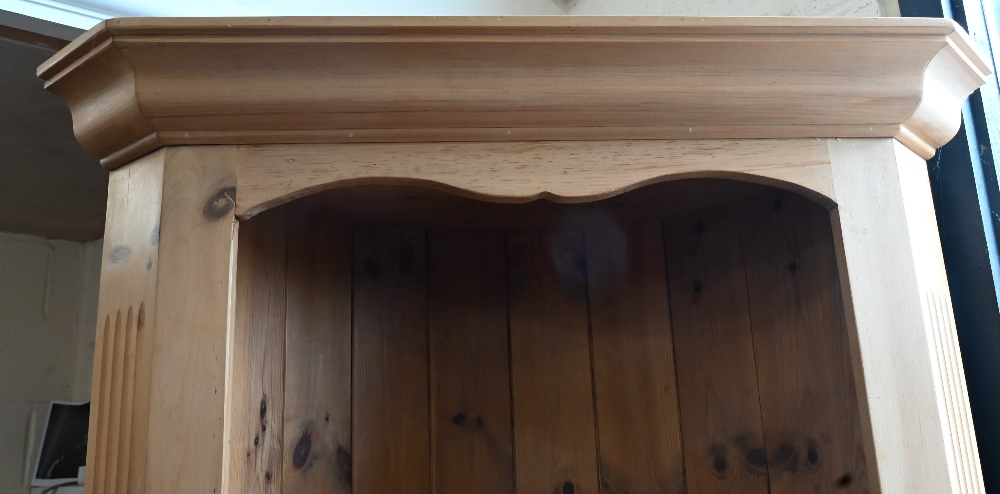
(554,437)
(634,382)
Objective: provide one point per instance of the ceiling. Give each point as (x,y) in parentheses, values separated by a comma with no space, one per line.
(49,186)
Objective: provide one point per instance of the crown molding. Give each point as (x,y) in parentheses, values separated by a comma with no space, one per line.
(136,84)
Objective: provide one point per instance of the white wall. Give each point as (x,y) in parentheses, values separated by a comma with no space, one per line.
(48,312)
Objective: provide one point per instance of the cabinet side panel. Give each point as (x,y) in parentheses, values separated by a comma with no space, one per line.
(716,370)
(555,437)
(317,416)
(257,357)
(635,385)
(812,427)
(391,432)
(896,292)
(470,377)
(128,289)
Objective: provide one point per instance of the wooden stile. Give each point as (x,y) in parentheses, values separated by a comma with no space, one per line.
(318,345)
(634,381)
(471,448)
(555,446)
(390,396)
(716,369)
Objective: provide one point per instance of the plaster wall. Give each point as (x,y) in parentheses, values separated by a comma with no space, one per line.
(48,308)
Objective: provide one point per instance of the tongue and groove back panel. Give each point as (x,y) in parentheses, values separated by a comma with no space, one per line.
(704,352)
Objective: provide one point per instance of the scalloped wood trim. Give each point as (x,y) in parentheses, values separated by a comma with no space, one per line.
(520,172)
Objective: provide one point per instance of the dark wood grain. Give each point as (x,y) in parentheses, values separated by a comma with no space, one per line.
(716,374)
(554,436)
(257,356)
(391,434)
(808,402)
(470,377)
(635,385)
(318,342)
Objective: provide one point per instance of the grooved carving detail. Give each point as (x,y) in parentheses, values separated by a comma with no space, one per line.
(963,451)
(114,405)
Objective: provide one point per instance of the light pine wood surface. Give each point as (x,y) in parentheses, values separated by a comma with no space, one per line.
(900,312)
(138,84)
(520,172)
(128,283)
(587,255)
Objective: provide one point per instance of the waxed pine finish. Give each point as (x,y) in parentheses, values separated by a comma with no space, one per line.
(572,255)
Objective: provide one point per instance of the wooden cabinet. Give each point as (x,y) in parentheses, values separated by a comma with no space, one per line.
(542,255)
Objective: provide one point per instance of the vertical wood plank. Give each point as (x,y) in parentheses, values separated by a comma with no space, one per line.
(555,441)
(257,356)
(635,385)
(808,401)
(318,347)
(391,430)
(128,285)
(470,377)
(717,384)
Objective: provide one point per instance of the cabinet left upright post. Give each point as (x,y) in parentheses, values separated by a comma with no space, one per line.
(167,274)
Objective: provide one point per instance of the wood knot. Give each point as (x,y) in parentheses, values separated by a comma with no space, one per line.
(263,413)
(697,287)
(812,453)
(568,488)
(220,204)
(777,206)
(458,419)
(300,455)
(699,227)
(720,459)
(844,481)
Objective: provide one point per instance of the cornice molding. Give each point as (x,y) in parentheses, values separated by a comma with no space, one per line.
(137,84)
